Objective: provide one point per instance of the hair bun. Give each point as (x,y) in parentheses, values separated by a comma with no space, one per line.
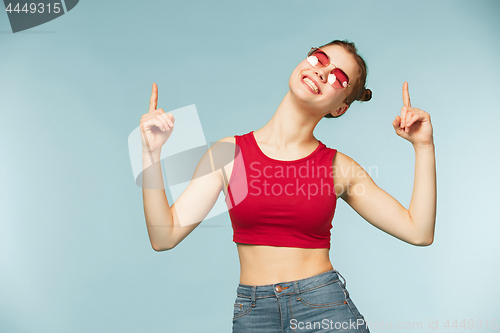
(366,95)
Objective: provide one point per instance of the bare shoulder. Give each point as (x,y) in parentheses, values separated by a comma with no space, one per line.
(223,158)
(340,158)
(223,150)
(343,160)
(228,139)
(346,171)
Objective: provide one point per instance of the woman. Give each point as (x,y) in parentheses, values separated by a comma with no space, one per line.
(281,222)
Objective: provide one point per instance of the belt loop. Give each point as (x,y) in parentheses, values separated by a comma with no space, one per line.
(341,276)
(297,291)
(253,295)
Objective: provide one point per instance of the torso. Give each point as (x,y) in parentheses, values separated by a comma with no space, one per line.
(261,264)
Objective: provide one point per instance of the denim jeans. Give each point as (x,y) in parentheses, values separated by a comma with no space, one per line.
(319,303)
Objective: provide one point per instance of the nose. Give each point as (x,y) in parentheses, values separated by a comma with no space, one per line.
(321,74)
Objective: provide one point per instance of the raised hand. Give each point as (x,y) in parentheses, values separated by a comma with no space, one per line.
(156,126)
(414,124)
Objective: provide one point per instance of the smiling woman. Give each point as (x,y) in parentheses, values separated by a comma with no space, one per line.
(317,58)
(287,282)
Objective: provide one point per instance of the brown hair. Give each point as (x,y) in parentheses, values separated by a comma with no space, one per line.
(359,91)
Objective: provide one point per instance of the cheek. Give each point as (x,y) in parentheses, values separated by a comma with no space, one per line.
(303,66)
(294,78)
(335,100)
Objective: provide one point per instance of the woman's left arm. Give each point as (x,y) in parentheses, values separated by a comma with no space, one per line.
(415,126)
(415,225)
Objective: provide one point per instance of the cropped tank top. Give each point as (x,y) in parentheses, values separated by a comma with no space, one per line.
(281,203)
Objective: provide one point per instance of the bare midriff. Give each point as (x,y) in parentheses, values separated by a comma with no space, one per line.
(261,265)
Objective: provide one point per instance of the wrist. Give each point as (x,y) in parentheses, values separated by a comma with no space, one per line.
(424,145)
(155,154)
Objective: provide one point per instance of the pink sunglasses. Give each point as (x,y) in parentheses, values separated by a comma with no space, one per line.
(337,78)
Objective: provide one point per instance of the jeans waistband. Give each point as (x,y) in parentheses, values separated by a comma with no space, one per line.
(289,287)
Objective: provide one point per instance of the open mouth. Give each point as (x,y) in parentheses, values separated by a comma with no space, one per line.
(311,85)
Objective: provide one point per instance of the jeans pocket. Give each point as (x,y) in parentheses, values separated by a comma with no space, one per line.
(354,309)
(325,296)
(242,307)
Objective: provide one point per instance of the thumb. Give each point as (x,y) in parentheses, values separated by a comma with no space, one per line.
(396,122)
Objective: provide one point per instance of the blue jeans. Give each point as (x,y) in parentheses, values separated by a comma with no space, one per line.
(319,303)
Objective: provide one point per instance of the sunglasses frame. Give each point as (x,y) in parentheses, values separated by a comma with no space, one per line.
(313,49)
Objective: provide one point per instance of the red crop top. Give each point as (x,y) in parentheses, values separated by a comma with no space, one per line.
(281,203)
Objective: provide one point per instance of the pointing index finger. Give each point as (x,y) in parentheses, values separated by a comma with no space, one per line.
(406,95)
(154,98)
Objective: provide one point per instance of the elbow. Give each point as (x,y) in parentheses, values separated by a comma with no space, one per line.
(424,241)
(162,248)
(160,244)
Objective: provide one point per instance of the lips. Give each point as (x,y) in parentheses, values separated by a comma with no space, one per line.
(311,85)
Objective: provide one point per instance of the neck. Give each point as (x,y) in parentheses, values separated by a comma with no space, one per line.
(292,125)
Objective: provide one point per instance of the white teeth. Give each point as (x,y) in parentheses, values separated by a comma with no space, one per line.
(311,84)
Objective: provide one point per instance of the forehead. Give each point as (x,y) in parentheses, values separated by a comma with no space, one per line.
(342,59)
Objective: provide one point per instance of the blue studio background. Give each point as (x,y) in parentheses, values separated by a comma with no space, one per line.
(74,250)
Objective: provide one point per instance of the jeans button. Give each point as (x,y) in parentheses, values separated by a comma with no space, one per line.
(279,288)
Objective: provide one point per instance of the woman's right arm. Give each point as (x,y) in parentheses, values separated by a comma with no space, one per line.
(169,225)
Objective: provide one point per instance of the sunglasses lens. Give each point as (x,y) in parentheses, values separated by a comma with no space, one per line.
(337,78)
(318,58)
(341,78)
(312,60)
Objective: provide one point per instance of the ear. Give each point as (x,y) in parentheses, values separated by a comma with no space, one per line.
(340,111)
